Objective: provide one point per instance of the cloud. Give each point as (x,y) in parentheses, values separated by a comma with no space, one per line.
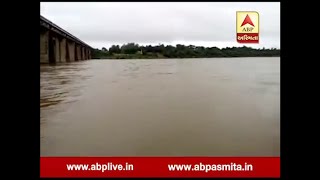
(203,23)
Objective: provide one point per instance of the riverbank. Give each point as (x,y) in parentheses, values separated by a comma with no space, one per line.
(160,56)
(135,51)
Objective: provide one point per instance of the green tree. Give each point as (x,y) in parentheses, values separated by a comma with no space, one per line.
(130,48)
(114,49)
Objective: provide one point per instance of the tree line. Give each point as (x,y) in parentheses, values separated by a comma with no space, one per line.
(133,50)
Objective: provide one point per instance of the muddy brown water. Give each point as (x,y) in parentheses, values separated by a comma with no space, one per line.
(165,107)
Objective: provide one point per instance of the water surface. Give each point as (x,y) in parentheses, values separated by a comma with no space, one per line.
(165,107)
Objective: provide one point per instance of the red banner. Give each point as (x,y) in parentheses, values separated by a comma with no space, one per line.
(248,37)
(159,167)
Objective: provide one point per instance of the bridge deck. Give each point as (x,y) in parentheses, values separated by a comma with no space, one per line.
(52,26)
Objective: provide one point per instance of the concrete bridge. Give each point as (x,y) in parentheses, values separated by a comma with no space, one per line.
(57,45)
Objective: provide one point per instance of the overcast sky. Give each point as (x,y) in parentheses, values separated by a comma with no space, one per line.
(101,24)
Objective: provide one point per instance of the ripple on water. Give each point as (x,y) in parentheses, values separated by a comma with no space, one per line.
(61,83)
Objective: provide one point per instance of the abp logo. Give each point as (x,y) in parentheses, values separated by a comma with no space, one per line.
(247,27)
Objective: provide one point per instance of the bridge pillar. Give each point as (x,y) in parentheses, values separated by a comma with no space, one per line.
(71,51)
(83,54)
(44,47)
(78,53)
(87,54)
(63,50)
(56,49)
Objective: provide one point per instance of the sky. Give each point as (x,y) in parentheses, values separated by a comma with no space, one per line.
(102,24)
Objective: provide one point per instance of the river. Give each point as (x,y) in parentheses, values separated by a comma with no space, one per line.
(164,107)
